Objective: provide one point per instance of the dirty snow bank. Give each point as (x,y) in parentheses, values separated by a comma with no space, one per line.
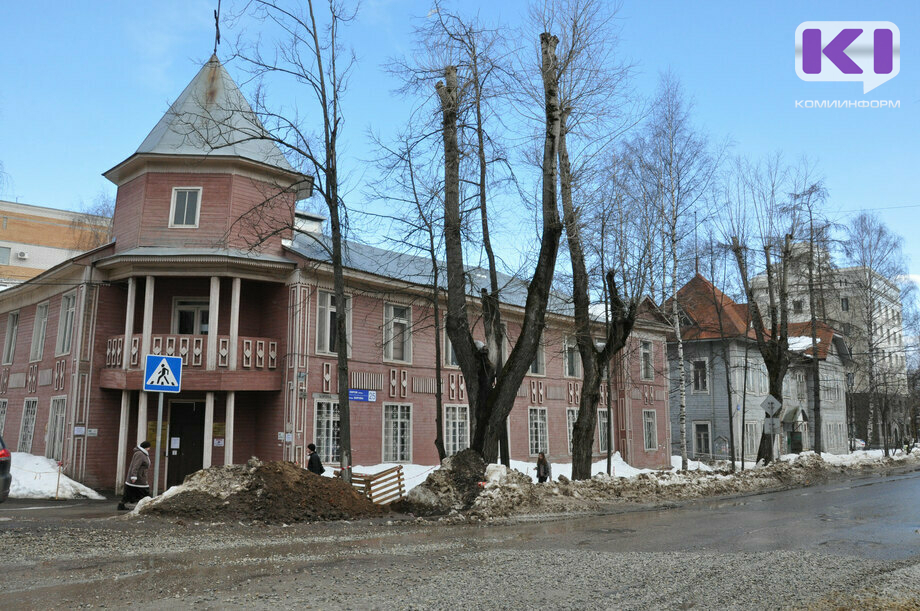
(36,477)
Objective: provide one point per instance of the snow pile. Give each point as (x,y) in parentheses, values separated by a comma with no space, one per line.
(452,487)
(36,477)
(274,492)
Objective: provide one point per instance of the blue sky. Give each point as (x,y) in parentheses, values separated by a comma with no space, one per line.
(83,84)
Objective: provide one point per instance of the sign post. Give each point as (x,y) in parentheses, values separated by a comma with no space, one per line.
(161,374)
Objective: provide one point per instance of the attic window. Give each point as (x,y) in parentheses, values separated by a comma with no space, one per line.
(797,306)
(184,209)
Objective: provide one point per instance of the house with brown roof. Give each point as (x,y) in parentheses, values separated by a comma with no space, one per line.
(726,380)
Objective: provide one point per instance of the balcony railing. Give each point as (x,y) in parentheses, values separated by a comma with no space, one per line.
(253,353)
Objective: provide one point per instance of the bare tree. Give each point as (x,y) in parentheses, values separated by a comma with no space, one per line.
(92,227)
(492,391)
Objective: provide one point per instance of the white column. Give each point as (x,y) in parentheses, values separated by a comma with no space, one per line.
(234,322)
(228,434)
(129,322)
(122,440)
(148,319)
(208,429)
(213,308)
(142,417)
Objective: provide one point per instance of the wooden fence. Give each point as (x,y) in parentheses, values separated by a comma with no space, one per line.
(381,488)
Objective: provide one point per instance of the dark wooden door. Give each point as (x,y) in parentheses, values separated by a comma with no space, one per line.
(185,446)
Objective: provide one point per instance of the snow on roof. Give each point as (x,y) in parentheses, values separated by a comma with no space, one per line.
(801,343)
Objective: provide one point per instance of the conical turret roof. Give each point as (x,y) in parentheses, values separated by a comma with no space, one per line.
(212,117)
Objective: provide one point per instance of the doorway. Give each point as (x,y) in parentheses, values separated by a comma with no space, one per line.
(185,447)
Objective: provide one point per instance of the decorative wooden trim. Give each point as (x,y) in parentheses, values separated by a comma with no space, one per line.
(260,354)
(366,380)
(403,383)
(272,355)
(327,377)
(393,382)
(183,349)
(425,386)
(197,349)
(135,350)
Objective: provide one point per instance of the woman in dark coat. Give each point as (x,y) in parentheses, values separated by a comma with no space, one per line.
(136,486)
(544,472)
(314,465)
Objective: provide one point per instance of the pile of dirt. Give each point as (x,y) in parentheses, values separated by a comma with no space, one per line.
(273,492)
(454,486)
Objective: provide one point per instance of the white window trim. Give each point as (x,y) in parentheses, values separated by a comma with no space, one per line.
(568,341)
(38,343)
(349,307)
(693,389)
(388,320)
(63,435)
(195,301)
(655,422)
(334,402)
(570,430)
(466,421)
(651,351)
(383,430)
(7,344)
(172,208)
(22,423)
(602,430)
(4,406)
(446,346)
(546,422)
(541,352)
(696,451)
(62,338)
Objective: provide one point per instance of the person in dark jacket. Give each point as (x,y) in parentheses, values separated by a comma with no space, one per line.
(136,486)
(544,472)
(314,465)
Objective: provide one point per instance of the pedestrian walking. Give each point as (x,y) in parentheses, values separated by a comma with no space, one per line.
(314,465)
(544,471)
(136,486)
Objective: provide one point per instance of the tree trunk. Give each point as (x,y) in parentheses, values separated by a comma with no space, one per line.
(815,362)
(341,330)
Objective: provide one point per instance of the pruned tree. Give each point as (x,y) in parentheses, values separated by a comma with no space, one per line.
(492,390)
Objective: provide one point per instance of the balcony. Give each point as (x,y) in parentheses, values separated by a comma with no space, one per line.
(256,362)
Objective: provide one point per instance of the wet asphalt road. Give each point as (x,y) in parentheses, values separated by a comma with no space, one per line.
(814,547)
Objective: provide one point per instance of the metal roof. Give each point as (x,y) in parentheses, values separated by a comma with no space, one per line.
(416,270)
(212,117)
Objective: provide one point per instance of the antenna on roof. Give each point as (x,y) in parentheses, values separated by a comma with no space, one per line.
(217,27)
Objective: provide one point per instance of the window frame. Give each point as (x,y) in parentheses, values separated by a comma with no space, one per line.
(570,353)
(532,449)
(389,320)
(571,416)
(539,358)
(454,443)
(328,450)
(643,344)
(39,332)
(172,207)
(10,339)
(696,450)
(196,304)
(798,306)
(322,318)
(448,351)
(844,304)
(4,405)
(54,440)
(645,429)
(29,402)
(694,387)
(383,438)
(603,415)
(66,318)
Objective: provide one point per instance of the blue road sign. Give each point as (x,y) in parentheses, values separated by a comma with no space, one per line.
(163,373)
(355,394)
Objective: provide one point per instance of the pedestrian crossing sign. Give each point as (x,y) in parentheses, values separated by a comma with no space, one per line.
(163,373)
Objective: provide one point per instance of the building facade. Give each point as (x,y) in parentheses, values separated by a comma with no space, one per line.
(211,262)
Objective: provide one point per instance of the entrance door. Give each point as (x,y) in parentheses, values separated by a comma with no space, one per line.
(185,447)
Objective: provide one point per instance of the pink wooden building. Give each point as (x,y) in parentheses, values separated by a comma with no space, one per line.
(253,328)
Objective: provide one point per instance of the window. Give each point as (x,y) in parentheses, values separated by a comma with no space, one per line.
(537,427)
(184,209)
(800,386)
(190,316)
(571,415)
(751,438)
(326,321)
(450,355)
(326,431)
(9,346)
(3,403)
(65,323)
(572,358)
(4,250)
(702,447)
(603,418)
(456,428)
(650,428)
(38,332)
(700,376)
(27,426)
(397,433)
(538,366)
(797,306)
(845,304)
(397,337)
(646,370)
(54,448)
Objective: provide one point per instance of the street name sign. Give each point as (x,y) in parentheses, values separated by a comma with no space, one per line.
(355,394)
